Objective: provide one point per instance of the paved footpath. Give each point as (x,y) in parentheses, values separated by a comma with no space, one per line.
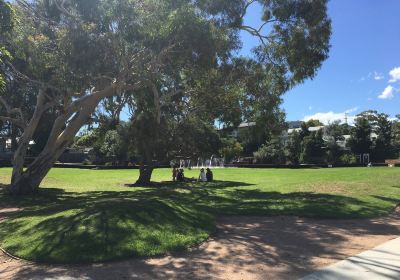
(380,263)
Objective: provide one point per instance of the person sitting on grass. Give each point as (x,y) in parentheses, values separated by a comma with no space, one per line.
(209,175)
(202,176)
(180,177)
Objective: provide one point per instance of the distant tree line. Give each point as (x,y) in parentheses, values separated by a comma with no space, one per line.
(373,133)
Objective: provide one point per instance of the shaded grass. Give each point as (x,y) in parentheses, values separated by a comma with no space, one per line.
(99,226)
(91,216)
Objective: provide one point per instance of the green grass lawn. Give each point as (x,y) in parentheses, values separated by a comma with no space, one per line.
(90,216)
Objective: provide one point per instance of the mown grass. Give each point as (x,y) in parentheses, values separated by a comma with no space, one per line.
(90,216)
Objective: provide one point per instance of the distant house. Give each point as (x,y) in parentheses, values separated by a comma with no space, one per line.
(296,126)
(236,132)
(341,143)
(5,151)
(5,145)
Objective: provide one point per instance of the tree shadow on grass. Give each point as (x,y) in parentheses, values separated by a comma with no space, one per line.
(101,226)
(65,227)
(191,184)
(392,200)
(244,246)
(305,204)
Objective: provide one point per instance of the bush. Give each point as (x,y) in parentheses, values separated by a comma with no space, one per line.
(87,162)
(348,159)
(272,152)
(230,149)
(86,140)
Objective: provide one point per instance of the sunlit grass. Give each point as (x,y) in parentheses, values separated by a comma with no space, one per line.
(90,215)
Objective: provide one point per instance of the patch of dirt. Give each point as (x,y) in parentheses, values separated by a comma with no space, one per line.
(336,187)
(244,248)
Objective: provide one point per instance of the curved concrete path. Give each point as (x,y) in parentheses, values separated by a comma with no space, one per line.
(380,263)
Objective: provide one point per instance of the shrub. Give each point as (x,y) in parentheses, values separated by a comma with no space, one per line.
(272,152)
(87,162)
(348,159)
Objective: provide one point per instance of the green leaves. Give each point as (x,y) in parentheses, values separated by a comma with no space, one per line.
(6,17)
(6,25)
(4,55)
(273,152)
(178,59)
(299,38)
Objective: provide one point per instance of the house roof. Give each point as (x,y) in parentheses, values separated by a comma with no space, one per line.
(315,128)
(246,124)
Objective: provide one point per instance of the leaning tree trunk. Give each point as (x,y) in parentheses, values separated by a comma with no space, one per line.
(63,131)
(145,173)
(23,144)
(29,181)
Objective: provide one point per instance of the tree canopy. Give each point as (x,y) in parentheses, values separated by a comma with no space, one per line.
(167,59)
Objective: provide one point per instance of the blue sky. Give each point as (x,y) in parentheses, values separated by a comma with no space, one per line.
(363,70)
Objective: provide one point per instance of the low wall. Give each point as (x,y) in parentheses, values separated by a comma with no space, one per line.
(301,166)
(289,166)
(393,161)
(102,167)
(72,157)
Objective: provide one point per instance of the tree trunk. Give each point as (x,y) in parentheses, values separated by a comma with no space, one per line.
(23,143)
(63,131)
(145,175)
(146,170)
(28,183)
(30,179)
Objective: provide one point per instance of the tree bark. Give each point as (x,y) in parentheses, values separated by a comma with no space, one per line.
(30,179)
(146,169)
(25,185)
(23,143)
(145,173)
(64,129)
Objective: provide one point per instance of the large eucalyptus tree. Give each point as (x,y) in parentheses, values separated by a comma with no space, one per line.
(220,84)
(180,56)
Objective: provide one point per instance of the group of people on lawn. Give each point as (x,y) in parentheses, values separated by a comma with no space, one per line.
(178,174)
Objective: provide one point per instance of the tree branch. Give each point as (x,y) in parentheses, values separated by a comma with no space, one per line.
(248,4)
(157,105)
(17,122)
(5,104)
(22,76)
(257,33)
(20,121)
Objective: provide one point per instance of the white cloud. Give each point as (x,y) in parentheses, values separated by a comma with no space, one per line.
(352,110)
(329,117)
(378,76)
(388,93)
(372,75)
(395,75)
